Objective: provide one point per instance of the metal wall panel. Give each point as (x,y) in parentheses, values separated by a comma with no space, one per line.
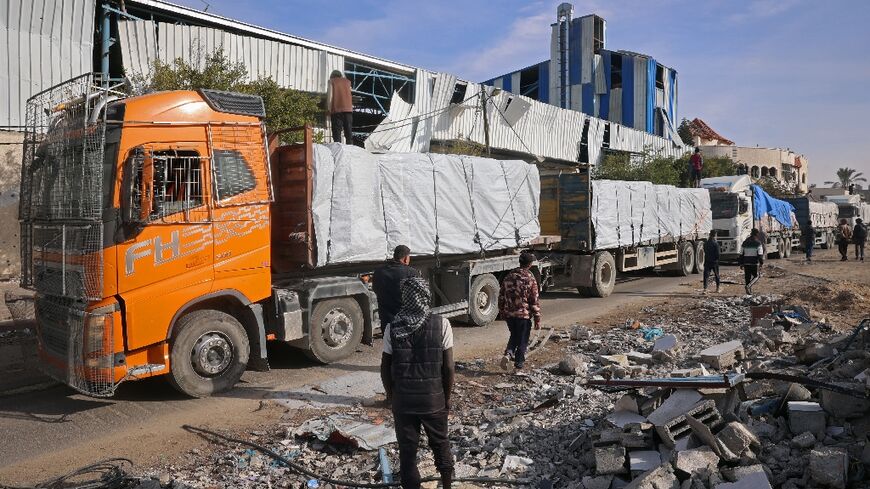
(45,43)
(138,41)
(641,74)
(587,33)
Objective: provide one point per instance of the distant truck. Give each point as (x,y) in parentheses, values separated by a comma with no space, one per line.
(823,215)
(171,234)
(739,206)
(602,227)
(851,207)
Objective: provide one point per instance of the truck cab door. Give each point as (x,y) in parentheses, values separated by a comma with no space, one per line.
(167,251)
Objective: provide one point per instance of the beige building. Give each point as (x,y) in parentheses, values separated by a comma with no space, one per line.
(782,164)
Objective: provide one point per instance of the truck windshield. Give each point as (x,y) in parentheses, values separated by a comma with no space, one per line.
(724,205)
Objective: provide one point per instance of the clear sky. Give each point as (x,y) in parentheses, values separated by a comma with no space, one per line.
(773,73)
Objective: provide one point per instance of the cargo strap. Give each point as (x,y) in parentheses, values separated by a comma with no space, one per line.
(468,188)
(435,195)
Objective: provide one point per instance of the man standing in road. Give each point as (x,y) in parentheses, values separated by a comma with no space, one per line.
(339,103)
(844,237)
(711,260)
(859,237)
(809,240)
(751,259)
(519,305)
(417,371)
(386,280)
(696,164)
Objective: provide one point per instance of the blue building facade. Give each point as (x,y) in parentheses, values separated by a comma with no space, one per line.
(625,87)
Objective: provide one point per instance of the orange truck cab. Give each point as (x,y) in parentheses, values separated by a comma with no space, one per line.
(169,234)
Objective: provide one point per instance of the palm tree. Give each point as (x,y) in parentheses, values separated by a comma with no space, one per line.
(846,177)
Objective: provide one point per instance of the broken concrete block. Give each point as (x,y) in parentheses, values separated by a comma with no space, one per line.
(610,460)
(806,416)
(620,360)
(779,335)
(622,418)
(703,433)
(639,358)
(691,461)
(723,355)
(628,402)
(580,333)
(643,460)
(813,352)
(796,392)
(740,472)
(670,418)
(661,477)
(737,438)
(573,364)
(599,482)
(685,372)
(754,480)
(829,467)
(843,406)
(804,440)
(666,342)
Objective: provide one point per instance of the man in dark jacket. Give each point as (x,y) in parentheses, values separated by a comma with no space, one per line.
(751,259)
(809,240)
(844,237)
(386,280)
(417,371)
(711,260)
(859,237)
(519,305)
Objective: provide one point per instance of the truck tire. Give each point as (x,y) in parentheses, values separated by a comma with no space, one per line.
(483,299)
(786,251)
(686,259)
(604,274)
(780,250)
(335,329)
(208,353)
(700,255)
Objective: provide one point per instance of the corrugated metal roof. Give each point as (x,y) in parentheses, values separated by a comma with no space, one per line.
(270,34)
(47,42)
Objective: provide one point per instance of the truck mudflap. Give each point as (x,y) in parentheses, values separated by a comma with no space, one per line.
(77,346)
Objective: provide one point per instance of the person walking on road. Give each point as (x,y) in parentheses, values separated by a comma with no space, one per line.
(751,259)
(696,165)
(519,305)
(711,260)
(339,104)
(809,240)
(859,237)
(844,237)
(386,280)
(417,370)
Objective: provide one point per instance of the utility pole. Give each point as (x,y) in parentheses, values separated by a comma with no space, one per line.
(485,120)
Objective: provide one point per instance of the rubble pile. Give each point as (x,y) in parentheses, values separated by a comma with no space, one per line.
(714,397)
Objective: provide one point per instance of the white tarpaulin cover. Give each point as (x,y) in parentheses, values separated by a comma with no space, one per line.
(366,204)
(634,213)
(824,214)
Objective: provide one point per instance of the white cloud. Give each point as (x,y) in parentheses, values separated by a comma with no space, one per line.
(760,9)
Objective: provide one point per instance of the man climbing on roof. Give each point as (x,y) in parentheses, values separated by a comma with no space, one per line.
(696,165)
(519,305)
(339,103)
(844,237)
(417,370)
(859,237)
(751,259)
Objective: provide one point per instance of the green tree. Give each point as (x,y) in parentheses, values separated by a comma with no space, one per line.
(685,133)
(779,189)
(846,177)
(658,169)
(284,107)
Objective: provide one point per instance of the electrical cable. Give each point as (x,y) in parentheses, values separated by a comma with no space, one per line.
(313,475)
(107,474)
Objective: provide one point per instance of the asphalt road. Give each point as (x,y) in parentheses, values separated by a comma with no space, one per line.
(52,431)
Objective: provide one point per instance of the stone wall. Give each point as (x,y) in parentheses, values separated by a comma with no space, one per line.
(10,178)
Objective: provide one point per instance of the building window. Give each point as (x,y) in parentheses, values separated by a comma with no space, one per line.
(754,172)
(804,179)
(764,172)
(772,172)
(615,70)
(660,77)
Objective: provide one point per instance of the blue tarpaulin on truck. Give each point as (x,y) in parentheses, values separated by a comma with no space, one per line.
(763,203)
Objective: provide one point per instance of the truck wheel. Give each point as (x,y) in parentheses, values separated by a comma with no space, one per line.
(700,255)
(208,354)
(483,299)
(786,248)
(780,250)
(335,330)
(686,259)
(604,277)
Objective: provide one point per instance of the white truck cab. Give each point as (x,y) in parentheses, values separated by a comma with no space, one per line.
(731,203)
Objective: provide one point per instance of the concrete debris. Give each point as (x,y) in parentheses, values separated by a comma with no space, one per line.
(661,477)
(513,463)
(755,480)
(806,416)
(573,364)
(804,440)
(843,406)
(610,460)
(342,430)
(723,355)
(600,482)
(828,466)
(695,460)
(637,357)
(643,460)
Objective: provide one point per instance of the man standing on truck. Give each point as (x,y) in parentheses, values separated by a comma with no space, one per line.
(809,240)
(711,260)
(417,371)
(386,280)
(859,237)
(696,164)
(519,305)
(751,259)
(339,104)
(844,237)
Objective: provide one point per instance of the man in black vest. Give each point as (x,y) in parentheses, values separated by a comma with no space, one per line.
(751,258)
(417,371)
(385,283)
